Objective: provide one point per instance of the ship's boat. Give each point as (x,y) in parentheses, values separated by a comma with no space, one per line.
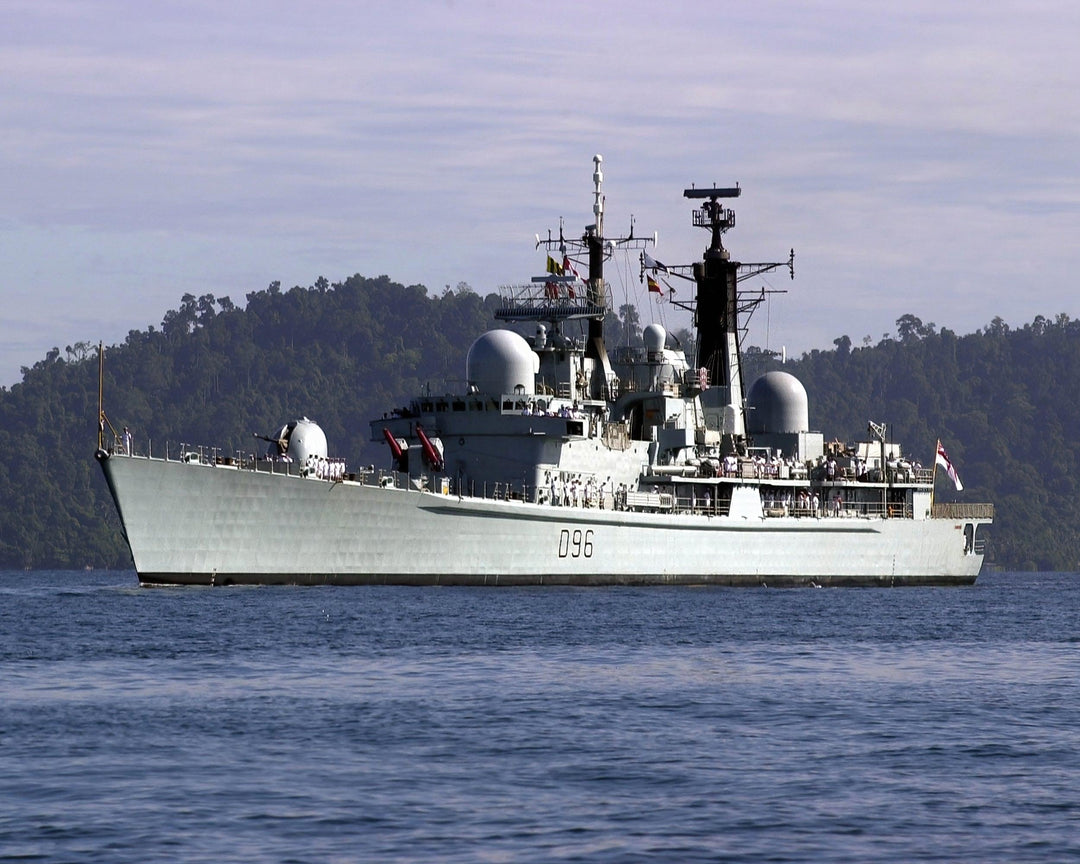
(561,463)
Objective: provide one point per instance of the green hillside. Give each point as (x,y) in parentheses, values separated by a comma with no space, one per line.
(1003,401)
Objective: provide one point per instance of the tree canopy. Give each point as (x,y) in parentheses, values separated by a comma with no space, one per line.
(1001,399)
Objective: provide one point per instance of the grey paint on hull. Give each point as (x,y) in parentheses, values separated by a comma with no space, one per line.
(203,524)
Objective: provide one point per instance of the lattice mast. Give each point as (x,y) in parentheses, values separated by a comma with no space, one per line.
(597,301)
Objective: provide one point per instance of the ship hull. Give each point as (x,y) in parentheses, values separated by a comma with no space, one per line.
(199,524)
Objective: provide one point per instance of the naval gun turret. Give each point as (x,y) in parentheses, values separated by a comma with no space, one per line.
(300,441)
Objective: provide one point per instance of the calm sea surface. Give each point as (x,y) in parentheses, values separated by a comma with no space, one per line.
(604,724)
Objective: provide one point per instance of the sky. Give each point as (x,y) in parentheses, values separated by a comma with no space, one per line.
(921,158)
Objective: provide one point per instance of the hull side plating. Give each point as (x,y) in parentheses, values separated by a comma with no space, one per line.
(202,524)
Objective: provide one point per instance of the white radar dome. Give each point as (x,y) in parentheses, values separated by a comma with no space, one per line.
(777,403)
(655,336)
(501,361)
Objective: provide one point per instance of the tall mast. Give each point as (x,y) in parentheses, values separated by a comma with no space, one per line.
(721,310)
(717,302)
(594,238)
(101,394)
(558,302)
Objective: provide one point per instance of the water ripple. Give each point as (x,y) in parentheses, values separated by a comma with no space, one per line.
(578,725)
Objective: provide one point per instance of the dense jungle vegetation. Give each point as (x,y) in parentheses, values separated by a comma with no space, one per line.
(1003,400)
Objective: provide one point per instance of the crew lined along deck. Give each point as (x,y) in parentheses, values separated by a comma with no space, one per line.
(698,496)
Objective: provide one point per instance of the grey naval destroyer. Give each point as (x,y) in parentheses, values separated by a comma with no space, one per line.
(559,462)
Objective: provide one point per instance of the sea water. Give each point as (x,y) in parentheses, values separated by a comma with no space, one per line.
(538,724)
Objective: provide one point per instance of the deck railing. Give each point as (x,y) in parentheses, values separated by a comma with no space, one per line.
(584,497)
(956,510)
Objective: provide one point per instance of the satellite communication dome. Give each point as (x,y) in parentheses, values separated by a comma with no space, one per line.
(655,336)
(777,403)
(501,361)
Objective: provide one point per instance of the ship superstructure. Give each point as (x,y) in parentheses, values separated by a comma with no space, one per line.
(559,463)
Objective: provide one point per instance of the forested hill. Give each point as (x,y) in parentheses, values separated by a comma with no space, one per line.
(1005,403)
(1002,400)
